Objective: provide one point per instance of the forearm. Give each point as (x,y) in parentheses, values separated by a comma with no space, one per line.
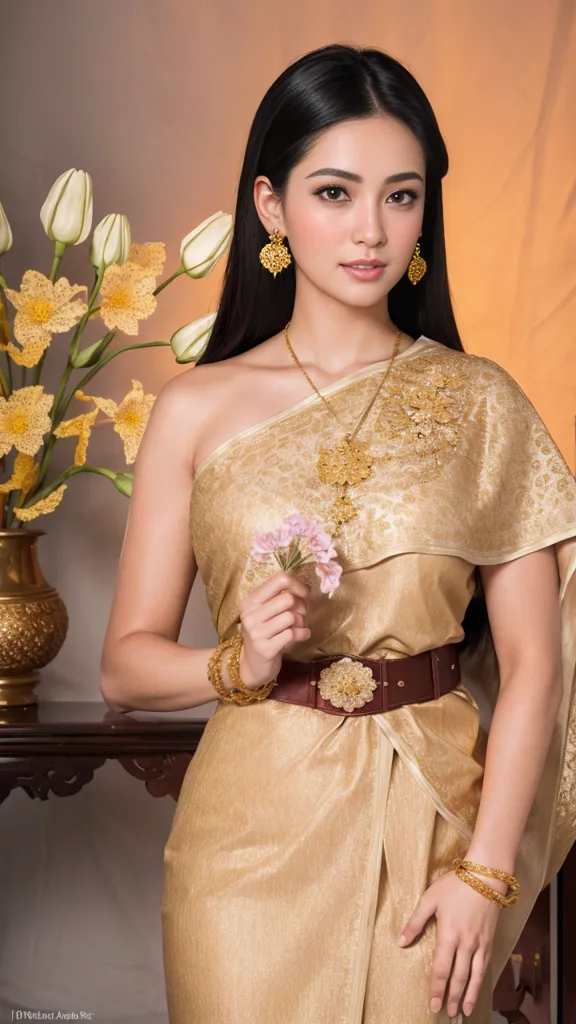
(147,672)
(518,743)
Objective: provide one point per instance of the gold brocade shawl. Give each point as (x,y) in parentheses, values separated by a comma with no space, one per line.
(465,473)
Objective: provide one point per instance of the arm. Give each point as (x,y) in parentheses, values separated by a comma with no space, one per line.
(523,608)
(143,666)
(522,598)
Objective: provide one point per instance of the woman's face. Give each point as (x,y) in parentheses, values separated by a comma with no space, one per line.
(368,206)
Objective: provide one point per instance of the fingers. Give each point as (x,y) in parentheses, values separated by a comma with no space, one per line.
(441,968)
(274,585)
(416,922)
(479,964)
(286,600)
(276,615)
(459,979)
(463,944)
(293,635)
(276,610)
(278,624)
(465,965)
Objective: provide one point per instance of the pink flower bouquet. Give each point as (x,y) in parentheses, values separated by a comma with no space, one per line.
(296,541)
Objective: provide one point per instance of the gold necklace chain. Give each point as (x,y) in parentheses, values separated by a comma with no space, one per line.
(325,400)
(348,463)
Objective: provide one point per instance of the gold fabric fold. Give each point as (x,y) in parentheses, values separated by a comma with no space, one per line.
(300,845)
(465,473)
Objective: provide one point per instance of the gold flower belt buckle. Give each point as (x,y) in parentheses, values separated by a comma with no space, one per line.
(347,684)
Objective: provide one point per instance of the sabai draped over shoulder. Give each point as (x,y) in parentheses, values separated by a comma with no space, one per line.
(465,473)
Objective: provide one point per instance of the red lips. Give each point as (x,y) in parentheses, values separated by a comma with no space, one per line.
(364,263)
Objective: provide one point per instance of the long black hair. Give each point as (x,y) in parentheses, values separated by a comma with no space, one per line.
(325,87)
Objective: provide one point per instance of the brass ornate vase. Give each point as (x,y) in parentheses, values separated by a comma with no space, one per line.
(33,618)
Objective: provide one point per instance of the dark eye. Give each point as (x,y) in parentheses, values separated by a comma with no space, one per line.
(330,188)
(405,192)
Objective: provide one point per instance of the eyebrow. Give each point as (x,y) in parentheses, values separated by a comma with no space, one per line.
(350,176)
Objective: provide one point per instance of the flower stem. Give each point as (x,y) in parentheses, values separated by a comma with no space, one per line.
(97,282)
(111,355)
(9,372)
(168,280)
(54,269)
(79,330)
(59,249)
(58,396)
(39,495)
(38,368)
(61,404)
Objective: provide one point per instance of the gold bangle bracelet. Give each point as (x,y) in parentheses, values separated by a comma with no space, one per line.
(214,671)
(463,872)
(256,693)
(238,693)
(228,696)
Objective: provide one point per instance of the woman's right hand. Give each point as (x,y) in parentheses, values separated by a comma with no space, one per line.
(272,618)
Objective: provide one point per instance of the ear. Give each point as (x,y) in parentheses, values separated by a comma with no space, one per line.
(268,206)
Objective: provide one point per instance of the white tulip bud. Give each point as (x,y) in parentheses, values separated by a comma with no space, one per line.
(67,211)
(202,248)
(110,242)
(5,232)
(190,342)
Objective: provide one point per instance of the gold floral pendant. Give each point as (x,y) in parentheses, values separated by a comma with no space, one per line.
(347,463)
(342,510)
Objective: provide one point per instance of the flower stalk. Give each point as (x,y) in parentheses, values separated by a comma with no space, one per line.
(123,294)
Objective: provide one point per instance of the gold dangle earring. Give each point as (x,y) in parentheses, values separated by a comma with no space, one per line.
(274,255)
(417,266)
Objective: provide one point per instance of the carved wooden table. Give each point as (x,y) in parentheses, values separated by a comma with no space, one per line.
(56,746)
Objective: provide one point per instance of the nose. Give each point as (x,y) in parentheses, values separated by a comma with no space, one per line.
(369,226)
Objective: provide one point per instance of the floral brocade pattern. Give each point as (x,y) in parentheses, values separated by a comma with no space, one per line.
(422,410)
(464,473)
(462,465)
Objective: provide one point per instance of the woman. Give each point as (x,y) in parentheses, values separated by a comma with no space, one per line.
(311,833)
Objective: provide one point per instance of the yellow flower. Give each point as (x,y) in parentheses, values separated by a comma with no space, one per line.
(81,427)
(150,256)
(28,356)
(24,419)
(126,297)
(44,308)
(24,476)
(42,507)
(130,416)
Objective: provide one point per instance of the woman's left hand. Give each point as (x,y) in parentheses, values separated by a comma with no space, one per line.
(465,925)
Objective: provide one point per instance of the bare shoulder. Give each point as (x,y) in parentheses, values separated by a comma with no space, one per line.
(191,403)
(206,386)
(189,398)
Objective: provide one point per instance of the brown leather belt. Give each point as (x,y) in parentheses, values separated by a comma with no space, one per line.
(347,685)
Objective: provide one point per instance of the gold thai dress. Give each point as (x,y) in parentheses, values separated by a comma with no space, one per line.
(302,841)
